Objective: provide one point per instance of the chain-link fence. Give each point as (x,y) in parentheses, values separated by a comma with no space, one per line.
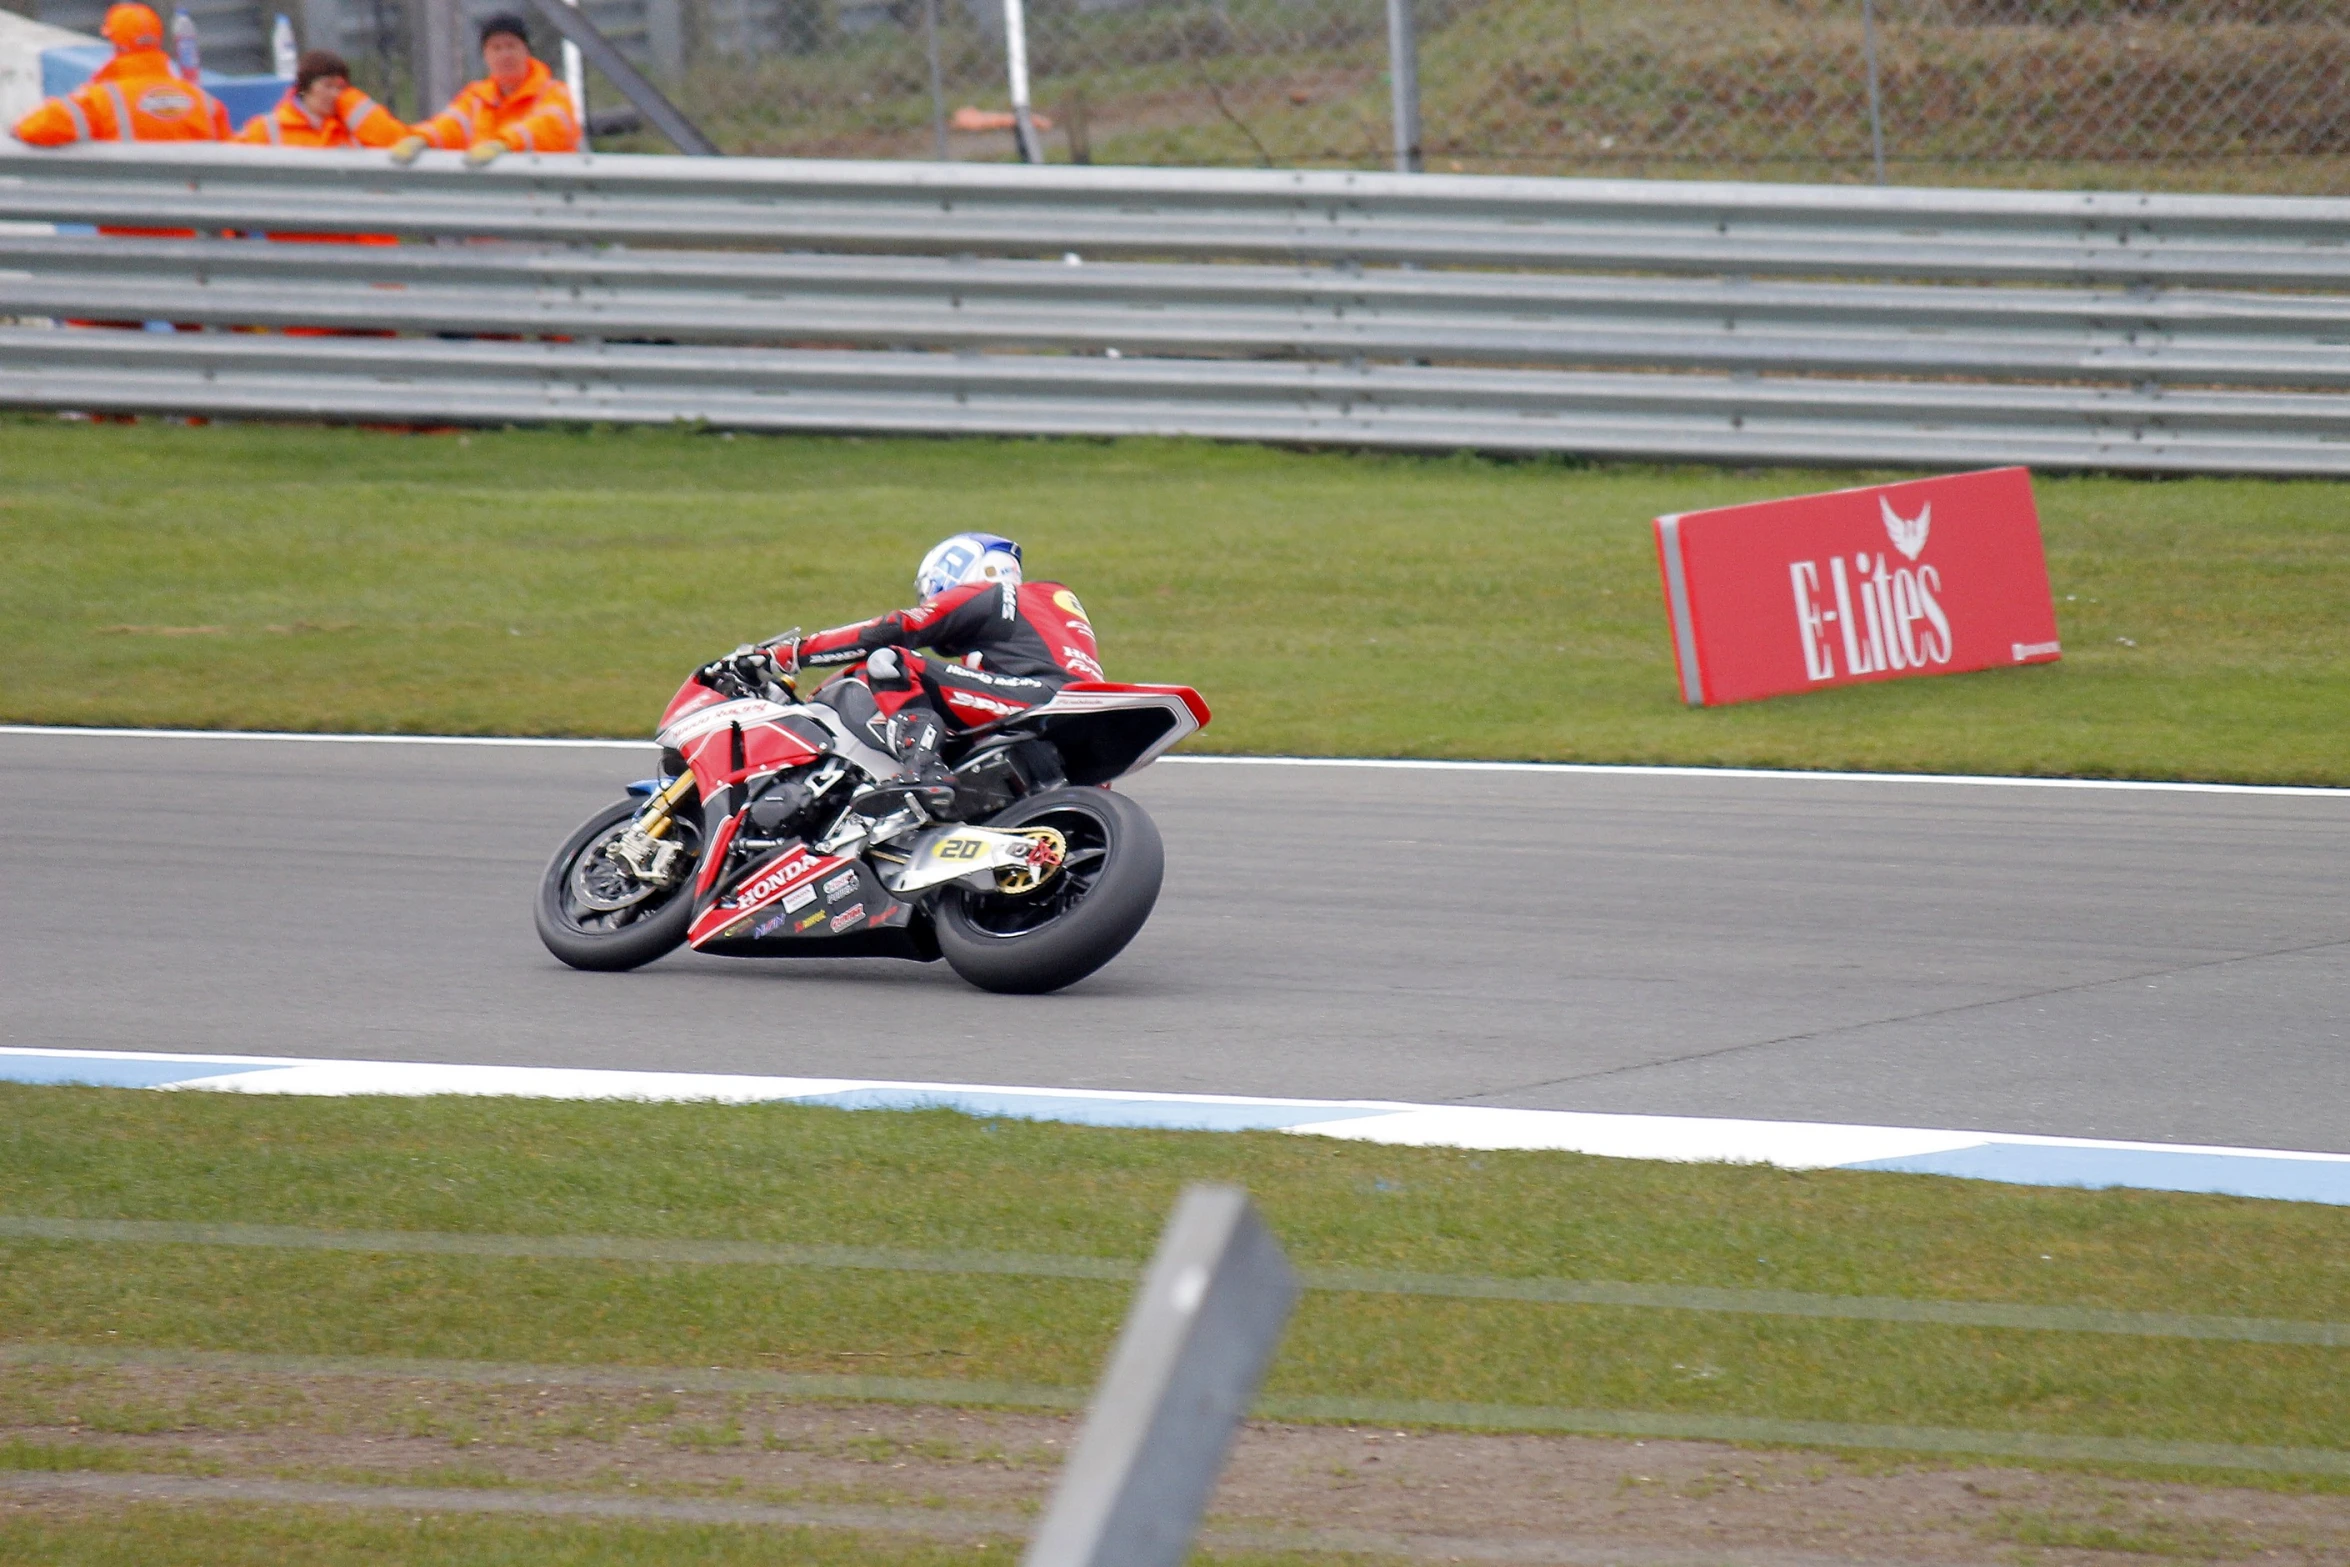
(2244,94)
(2212,94)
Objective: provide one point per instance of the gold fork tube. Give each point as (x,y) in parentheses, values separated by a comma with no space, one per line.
(656,821)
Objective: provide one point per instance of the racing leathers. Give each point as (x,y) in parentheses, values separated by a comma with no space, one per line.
(995,649)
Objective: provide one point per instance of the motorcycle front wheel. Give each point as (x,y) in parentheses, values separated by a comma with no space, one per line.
(1030,943)
(592,911)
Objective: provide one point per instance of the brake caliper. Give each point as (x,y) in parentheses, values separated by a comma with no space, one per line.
(650,860)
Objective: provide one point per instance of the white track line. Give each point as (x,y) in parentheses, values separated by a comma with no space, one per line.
(1395,764)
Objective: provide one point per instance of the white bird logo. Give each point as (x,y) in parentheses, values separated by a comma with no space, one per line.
(1907,533)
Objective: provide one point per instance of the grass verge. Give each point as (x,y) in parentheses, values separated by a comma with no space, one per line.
(233,1536)
(795,1174)
(543,582)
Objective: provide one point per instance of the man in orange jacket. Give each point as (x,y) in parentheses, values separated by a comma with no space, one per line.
(136,96)
(324,110)
(519,104)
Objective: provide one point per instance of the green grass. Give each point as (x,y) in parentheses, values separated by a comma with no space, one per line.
(938,1180)
(562,583)
(136,1535)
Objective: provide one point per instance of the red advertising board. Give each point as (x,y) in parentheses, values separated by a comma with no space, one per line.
(1931,577)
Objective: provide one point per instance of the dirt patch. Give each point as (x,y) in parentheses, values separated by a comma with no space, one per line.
(1529,1498)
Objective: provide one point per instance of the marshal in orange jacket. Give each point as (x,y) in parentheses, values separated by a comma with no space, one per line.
(357,121)
(537,116)
(132,97)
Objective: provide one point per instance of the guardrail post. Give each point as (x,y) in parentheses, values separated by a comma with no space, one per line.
(1403,77)
(1194,1348)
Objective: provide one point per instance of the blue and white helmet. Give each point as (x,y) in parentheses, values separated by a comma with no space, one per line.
(967,557)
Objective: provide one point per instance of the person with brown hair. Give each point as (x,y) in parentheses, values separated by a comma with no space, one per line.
(323,109)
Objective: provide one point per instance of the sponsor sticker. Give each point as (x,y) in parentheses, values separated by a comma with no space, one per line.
(768,926)
(974,702)
(1068,601)
(848,918)
(809,921)
(774,881)
(846,881)
(797,899)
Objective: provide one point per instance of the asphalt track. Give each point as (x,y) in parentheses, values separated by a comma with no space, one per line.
(2125,964)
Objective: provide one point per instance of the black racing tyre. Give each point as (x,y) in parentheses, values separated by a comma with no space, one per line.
(1073,924)
(594,915)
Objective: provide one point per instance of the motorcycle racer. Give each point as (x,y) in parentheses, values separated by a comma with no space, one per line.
(998,645)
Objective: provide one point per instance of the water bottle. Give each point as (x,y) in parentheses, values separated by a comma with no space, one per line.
(184,47)
(282,54)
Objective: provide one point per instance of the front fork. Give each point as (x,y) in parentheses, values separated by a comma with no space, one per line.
(654,821)
(645,848)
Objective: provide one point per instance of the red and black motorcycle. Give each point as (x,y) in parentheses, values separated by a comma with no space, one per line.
(769,834)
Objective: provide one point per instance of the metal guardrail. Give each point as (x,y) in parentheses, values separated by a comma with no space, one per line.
(1738,322)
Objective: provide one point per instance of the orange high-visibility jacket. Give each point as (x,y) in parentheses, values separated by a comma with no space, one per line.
(538,116)
(132,97)
(357,121)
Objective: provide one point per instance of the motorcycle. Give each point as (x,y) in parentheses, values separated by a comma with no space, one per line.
(771,832)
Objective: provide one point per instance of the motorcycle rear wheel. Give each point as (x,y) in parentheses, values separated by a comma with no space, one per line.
(612,939)
(1077,921)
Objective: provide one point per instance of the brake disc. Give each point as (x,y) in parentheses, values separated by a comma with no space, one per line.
(602,884)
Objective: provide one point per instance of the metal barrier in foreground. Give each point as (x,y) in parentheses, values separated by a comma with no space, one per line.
(1187,1365)
(1605,318)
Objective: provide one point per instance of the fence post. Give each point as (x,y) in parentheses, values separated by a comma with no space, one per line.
(938,90)
(665,35)
(1403,76)
(1868,32)
(437,57)
(575,78)
(321,23)
(1016,68)
(1188,1362)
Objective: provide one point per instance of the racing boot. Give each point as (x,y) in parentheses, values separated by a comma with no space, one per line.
(914,735)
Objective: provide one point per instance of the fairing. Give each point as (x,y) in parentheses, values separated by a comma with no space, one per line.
(796,900)
(1105,730)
